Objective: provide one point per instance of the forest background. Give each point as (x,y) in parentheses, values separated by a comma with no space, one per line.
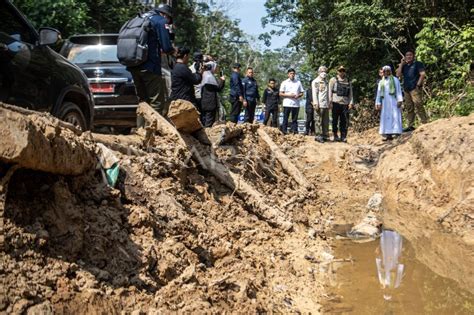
(361,35)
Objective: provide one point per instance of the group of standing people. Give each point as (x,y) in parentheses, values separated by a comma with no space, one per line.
(389,97)
(324,96)
(200,85)
(329,96)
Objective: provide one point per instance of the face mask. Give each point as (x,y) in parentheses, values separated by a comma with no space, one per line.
(323,75)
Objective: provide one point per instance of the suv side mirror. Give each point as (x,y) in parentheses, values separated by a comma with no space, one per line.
(48,36)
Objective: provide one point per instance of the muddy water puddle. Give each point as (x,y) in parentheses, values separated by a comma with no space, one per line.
(386,278)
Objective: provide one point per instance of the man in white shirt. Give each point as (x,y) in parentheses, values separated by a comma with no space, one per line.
(291,91)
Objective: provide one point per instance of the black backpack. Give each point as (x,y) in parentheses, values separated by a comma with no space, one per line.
(132,41)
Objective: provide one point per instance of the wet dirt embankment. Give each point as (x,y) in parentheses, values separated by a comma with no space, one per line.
(170,236)
(428,188)
(176,235)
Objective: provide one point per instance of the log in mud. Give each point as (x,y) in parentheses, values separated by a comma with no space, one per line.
(178,233)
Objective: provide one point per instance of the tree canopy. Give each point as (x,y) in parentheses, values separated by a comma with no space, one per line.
(365,35)
(362,35)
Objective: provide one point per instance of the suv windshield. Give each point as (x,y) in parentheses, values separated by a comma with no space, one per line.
(93,54)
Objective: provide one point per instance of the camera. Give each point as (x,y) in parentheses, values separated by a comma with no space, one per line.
(198,59)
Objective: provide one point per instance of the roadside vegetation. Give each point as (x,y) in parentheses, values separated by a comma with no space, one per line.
(362,35)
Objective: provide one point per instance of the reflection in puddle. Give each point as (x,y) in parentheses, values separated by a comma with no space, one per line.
(395,283)
(389,270)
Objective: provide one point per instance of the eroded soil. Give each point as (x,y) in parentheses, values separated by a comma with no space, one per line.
(171,237)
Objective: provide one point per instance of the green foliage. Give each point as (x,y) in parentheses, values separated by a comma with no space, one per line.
(80,16)
(107,16)
(364,35)
(447,50)
(68,16)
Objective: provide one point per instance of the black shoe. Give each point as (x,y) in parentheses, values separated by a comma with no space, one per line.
(336,139)
(319,139)
(387,138)
(408,129)
(344,140)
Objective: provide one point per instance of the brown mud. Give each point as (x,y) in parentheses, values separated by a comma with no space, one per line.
(171,237)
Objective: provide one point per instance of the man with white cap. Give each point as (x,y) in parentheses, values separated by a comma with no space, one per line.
(389,101)
(320,88)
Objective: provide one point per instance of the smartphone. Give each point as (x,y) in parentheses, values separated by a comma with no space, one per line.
(222,73)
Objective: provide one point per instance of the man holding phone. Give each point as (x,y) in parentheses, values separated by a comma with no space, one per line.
(251,96)
(413,73)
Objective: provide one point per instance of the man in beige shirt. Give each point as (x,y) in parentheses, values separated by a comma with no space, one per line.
(320,90)
(341,100)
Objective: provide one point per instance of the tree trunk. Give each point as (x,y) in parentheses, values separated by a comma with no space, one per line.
(155,122)
(40,142)
(285,162)
(129,145)
(235,182)
(184,116)
(201,155)
(221,134)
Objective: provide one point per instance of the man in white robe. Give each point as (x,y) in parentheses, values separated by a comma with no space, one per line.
(389,100)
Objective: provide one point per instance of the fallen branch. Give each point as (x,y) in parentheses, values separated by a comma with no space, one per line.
(201,154)
(40,142)
(128,145)
(184,116)
(221,134)
(156,122)
(28,112)
(285,162)
(235,182)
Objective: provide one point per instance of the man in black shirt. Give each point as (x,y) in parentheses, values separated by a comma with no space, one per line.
(182,79)
(271,98)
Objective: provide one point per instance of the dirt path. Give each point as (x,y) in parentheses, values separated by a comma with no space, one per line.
(171,237)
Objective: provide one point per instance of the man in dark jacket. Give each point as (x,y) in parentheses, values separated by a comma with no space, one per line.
(251,95)
(310,128)
(210,99)
(236,93)
(182,79)
(271,98)
(147,77)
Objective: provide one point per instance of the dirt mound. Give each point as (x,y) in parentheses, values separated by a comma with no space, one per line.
(427,184)
(238,218)
(170,236)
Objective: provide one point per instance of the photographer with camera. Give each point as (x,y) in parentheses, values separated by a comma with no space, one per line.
(210,86)
(198,67)
(182,79)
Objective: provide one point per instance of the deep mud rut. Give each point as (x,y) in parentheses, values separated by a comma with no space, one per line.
(171,237)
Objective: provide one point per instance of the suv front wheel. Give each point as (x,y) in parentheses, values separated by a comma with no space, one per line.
(72,114)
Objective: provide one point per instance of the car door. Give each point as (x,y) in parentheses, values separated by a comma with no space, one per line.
(24,73)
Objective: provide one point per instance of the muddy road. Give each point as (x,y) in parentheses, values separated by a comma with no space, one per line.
(174,235)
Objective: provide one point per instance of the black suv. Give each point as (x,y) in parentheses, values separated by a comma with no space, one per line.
(32,75)
(111,84)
